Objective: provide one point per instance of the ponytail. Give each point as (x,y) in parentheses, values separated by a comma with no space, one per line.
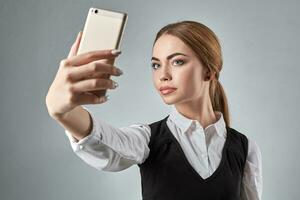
(219,99)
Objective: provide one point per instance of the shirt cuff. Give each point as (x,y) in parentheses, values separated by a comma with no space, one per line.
(91,138)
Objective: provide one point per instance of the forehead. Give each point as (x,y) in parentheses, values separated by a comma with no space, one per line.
(167,44)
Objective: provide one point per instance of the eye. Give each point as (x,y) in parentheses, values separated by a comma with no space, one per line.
(180,61)
(177,62)
(153,65)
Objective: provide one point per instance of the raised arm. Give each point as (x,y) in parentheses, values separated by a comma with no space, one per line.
(80,80)
(112,149)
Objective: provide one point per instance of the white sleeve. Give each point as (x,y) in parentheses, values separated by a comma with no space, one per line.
(252,184)
(112,149)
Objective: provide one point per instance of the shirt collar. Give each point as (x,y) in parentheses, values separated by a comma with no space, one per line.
(184,123)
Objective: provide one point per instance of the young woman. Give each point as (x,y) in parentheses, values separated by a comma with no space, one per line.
(192,153)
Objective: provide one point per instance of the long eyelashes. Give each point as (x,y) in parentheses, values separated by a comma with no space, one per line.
(154,64)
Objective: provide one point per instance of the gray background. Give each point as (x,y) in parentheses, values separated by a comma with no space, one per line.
(260,41)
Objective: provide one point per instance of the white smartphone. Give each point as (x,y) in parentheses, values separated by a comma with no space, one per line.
(103,29)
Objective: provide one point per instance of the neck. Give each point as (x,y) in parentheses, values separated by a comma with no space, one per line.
(200,110)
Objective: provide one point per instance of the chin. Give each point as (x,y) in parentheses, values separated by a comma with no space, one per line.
(172,98)
(169,103)
(169,100)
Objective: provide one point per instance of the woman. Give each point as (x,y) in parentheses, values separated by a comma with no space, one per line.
(192,153)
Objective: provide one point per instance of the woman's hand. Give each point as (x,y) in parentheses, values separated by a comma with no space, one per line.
(78,79)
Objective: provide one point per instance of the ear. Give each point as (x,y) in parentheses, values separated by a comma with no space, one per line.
(207,76)
(210,75)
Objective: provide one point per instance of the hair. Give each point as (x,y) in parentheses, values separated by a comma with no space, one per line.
(204,42)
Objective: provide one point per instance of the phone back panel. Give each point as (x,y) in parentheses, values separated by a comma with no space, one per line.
(103,29)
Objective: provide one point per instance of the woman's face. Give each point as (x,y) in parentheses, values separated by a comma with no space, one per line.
(175,65)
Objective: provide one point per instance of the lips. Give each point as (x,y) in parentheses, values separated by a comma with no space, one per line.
(167,90)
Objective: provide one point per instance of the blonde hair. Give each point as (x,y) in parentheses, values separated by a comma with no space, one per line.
(204,42)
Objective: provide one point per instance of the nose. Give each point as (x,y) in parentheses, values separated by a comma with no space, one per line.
(165,74)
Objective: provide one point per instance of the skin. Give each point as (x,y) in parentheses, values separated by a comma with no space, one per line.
(187,74)
(78,81)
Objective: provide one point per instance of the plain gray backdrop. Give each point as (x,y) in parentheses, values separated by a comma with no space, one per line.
(260,44)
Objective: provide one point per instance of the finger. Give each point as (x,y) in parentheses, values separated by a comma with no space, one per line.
(94,69)
(93,85)
(91,56)
(75,45)
(90,98)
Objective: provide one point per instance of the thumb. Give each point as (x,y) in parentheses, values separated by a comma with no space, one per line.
(74,48)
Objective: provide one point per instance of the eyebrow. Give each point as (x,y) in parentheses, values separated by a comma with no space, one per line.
(169,56)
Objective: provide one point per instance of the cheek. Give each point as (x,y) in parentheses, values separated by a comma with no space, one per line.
(189,81)
(155,80)
(187,78)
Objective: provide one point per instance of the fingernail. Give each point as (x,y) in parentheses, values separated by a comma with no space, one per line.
(115,84)
(107,97)
(116,51)
(119,71)
(103,99)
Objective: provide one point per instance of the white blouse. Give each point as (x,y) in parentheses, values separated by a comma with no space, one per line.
(114,149)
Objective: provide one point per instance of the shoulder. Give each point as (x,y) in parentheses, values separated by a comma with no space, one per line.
(254,153)
(156,126)
(236,134)
(158,123)
(238,139)
(143,129)
(253,149)
(148,127)
(141,126)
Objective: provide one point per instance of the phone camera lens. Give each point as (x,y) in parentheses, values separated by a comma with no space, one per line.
(96,11)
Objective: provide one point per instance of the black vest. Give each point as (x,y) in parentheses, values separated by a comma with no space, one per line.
(167,174)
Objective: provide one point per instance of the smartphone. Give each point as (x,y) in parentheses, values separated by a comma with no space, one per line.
(103,29)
